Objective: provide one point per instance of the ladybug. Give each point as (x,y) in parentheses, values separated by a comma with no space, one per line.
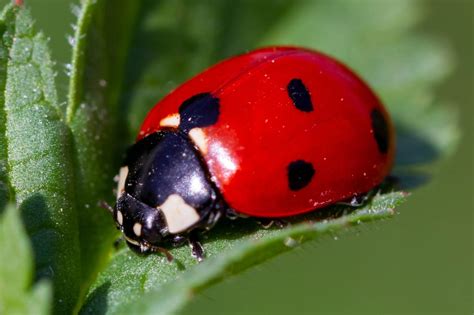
(272,133)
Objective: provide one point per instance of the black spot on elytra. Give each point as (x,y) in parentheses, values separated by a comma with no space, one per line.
(200,110)
(380,130)
(300,96)
(300,174)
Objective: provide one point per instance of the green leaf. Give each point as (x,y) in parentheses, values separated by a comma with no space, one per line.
(17,295)
(36,154)
(175,40)
(4,182)
(99,53)
(151,285)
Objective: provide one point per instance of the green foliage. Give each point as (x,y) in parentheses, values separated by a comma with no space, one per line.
(57,163)
(17,295)
(99,50)
(37,155)
(135,284)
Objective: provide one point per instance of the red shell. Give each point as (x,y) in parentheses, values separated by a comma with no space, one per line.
(259,131)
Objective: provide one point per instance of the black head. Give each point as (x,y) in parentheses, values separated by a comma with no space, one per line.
(141,225)
(164,190)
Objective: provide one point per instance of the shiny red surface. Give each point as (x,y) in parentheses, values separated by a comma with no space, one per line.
(260,131)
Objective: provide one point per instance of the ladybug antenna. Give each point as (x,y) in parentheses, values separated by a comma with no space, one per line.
(104,205)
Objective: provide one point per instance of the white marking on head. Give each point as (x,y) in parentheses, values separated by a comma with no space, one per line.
(199,138)
(137,229)
(178,214)
(170,121)
(121,182)
(119,217)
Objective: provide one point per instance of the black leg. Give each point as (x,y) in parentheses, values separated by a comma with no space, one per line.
(178,240)
(197,251)
(362,199)
(268,223)
(281,223)
(358,200)
(156,249)
(232,215)
(145,248)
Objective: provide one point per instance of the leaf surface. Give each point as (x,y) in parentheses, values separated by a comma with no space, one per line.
(175,40)
(99,51)
(151,285)
(17,295)
(35,155)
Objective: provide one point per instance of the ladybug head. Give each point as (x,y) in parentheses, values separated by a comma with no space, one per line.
(164,190)
(142,226)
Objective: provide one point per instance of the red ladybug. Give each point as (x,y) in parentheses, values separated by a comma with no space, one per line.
(272,133)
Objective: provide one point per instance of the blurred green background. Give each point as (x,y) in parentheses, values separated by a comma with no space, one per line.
(420,262)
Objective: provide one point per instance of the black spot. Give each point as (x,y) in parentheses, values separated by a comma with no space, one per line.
(200,110)
(380,130)
(299,94)
(300,174)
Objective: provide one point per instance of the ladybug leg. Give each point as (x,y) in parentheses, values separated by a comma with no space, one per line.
(268,223)
(157,249)
(232,215)
(362,199)
(146,248)
(265,223)
(178,240)
(281,223)
(197,251)
(357,200)
(212,219)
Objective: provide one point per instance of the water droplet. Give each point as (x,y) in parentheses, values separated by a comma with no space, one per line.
(76,10)
(68,70)
(291,242)
(71,40)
